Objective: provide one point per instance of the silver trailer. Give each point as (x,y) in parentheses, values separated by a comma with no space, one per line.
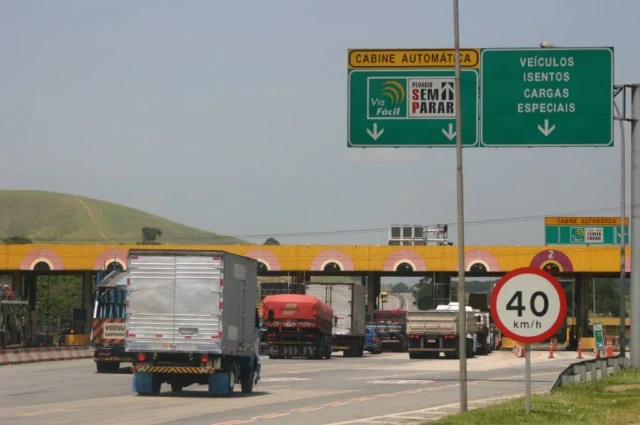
(348,301)
(191,319)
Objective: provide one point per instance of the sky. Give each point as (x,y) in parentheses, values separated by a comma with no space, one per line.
(232,116)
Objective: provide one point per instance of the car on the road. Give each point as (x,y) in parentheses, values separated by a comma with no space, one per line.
(372,342)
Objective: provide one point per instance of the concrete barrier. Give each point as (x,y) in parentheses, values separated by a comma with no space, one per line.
(34,355)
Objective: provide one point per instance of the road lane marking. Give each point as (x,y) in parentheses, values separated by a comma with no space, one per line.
(337,403)
(307,409)
(236,422)
(44,412)
(271,416)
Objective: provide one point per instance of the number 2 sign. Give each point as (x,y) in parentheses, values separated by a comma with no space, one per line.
(528,305)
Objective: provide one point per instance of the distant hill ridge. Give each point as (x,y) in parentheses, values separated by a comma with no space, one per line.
(48,217)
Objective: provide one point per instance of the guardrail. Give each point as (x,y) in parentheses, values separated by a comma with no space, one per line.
(591,370)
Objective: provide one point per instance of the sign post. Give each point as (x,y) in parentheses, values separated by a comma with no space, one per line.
(528,305)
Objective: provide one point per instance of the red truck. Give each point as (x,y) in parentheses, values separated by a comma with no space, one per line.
(392,328)
(297,326)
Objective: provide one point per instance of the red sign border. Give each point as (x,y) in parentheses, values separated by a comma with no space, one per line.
(536,338)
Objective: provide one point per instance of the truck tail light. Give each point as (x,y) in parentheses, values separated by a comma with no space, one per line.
(311,336)
(221,283)
(271,336)
(142,357)
(204,358)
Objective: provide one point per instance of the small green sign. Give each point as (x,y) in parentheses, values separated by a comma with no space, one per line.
(572,235)
(547,97)
(598,335)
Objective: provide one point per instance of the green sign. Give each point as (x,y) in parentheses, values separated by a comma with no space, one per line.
(598,335)
(410,108)
(547,97)
(585,231)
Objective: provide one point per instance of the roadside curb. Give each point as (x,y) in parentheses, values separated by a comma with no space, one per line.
(36,355)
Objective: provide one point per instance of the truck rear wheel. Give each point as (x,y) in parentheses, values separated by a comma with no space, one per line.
(246,380)
(107,367)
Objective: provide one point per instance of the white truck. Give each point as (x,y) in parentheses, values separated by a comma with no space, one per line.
(348,301)
(191,319)
(433,332)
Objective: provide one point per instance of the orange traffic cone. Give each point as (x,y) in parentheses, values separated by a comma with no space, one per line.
(551,351)
(609,349)
(579,349)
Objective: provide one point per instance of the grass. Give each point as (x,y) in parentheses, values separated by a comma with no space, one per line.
(615,400)
(46,217)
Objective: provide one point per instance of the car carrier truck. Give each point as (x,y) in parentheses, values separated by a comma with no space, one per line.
(348,301)
(191,319)
(434,331)
(297,326)
(108,326)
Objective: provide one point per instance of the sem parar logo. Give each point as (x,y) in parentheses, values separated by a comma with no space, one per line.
(387,98)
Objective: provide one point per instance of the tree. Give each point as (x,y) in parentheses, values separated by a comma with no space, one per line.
(150,234)
(17,240)
(271,241)
(400,288)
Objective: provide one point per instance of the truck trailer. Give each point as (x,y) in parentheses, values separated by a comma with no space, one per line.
(191,319)
(297,326)
(433,332)
(108,326)
(348,301)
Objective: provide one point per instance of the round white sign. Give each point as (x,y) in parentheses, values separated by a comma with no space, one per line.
(528,305)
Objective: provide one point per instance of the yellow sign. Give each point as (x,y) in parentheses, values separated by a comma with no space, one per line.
(584,221)
(412,58)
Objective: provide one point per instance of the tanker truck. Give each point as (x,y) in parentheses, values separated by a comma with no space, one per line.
(297,326)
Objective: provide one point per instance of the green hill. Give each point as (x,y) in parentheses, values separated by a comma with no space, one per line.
(46,217)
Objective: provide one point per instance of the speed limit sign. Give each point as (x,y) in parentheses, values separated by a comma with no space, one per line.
(528,305)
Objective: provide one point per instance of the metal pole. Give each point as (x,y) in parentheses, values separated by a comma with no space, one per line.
(462,331)
(527,375)
(635,225)
(593,289)
(623,216)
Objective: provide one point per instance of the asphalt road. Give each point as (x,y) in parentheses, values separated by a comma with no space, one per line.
(384,387)
(403,301)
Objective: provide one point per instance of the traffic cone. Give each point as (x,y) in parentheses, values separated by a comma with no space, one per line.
(579,349)
(551,351)
(609,351)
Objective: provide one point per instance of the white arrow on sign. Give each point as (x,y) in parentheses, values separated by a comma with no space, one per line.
(546,130)
(375,134)
(449,134)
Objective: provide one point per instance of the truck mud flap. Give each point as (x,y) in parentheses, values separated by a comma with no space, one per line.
(173,369)
(220,384)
